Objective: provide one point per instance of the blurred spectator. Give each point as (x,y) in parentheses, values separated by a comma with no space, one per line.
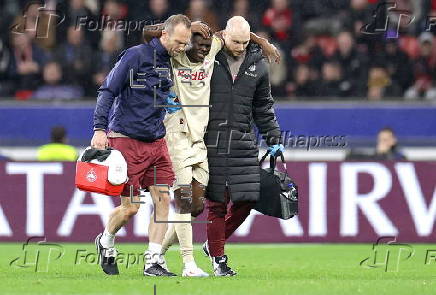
(326,17)
(199,10)
(386,149)
(147,13)
(8,11)
(53,89)
(76,10)
(7,83)
(398,64)
(354,66)
(278,19)
(305,86)
(308,52)
(332,84)
(424,70)
(76,58)
(27,62)
(38,21)
(77,13)
(57,150)
(114,10)
(159,10)
(242,8)
(111,44)
(380,85)
(303,30)
(360,15)
(277,72)
(387,146)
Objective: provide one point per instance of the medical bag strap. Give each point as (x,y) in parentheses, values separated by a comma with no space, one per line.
(273,162)
(282,157)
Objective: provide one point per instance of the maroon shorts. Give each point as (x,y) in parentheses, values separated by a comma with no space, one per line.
(143,158)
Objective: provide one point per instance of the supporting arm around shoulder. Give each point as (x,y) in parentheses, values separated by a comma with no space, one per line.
(152,31)
(269,50)
(155,31)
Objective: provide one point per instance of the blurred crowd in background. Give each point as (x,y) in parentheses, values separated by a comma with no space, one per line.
(331,49)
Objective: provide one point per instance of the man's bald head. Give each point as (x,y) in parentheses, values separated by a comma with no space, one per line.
(236,35)
(237,24)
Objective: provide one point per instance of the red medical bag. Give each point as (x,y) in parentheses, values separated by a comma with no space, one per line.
(94,177)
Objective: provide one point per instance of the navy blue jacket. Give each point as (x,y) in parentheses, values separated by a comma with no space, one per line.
(138,82)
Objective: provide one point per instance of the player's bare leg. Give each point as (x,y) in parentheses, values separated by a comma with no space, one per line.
(156,232)
(161,202)
(122,214)
(196,208)
(105,242)
(188,202)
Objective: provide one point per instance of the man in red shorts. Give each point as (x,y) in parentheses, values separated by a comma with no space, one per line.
(128,110)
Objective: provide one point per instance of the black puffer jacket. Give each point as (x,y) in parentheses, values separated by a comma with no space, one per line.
(230,138)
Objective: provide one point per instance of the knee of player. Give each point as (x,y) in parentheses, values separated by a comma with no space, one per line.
(184,206)
(130,211)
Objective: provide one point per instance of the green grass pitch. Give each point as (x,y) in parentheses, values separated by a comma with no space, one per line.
(262,269)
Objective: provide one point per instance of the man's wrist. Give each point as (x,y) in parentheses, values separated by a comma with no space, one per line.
(99,129)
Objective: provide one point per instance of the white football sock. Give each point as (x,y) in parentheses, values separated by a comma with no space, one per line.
(107,239)
(155,248)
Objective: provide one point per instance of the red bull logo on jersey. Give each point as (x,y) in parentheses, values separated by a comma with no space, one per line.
(192,76)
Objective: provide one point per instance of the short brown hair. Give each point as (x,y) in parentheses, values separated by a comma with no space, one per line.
(176,19)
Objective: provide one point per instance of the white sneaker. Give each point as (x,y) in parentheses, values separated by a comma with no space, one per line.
(194,272)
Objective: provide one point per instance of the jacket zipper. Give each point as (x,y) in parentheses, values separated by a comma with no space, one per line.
(229,133)
(227,68)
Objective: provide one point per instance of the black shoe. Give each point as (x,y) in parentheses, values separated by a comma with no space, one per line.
(206,249)
(156,270)
(220,267)
(107,257)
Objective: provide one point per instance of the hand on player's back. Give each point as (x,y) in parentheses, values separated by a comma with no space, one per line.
(99,140)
